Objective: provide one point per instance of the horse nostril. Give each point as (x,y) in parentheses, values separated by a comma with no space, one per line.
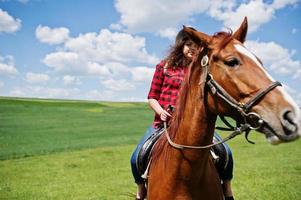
(288,123)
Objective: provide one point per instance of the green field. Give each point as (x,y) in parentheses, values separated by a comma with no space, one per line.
(52,149)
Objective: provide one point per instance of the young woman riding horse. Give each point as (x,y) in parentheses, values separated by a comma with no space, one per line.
(163,93)
(225,80)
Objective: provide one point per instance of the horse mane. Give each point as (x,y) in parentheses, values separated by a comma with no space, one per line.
(225,38)
(177,116)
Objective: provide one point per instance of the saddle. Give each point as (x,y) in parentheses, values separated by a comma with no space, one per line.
(220,153)
(145,151)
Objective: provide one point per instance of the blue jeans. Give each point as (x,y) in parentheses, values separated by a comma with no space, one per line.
(149,132)
(226,174)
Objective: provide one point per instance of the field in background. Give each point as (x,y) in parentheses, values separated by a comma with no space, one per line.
(52,149)
(33,127)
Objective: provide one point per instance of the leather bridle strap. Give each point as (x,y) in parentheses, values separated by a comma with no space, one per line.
(261,93)
(242,108)
(216,89)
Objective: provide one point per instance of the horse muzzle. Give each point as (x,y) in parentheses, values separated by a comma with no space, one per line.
(288,130)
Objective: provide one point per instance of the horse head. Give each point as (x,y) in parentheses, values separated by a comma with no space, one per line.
(239,86)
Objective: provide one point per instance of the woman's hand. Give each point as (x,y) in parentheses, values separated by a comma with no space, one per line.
(164,115)
(154,104)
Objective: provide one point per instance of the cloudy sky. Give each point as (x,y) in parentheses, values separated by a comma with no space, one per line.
(107,50)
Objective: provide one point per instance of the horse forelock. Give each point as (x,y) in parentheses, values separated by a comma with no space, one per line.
(223,39)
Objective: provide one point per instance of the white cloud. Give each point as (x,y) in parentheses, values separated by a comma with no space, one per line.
(294,93)
(109,56)
(67,62)
(142,74)
(116,27)
(97,69)
(36,78)
(233,17)
(154,15)
(104,54)
(278,4)
(297,74)
(8,24)
(110,46)
(7,66)
(1,84)
(276,57)
(52,35)
(118,85)
(157,16)
(110,69)
(169,33)
(71,80)
(232,14)
(82,42)
(280,62)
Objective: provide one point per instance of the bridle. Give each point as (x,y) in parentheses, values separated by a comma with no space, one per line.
(251,120)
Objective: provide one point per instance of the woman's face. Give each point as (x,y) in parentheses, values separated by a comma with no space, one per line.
(189,49)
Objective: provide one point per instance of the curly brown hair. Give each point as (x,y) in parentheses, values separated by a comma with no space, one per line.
(176,57)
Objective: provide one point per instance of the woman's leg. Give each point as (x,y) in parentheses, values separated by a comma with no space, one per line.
(141,192)
(227,174)
(134,156)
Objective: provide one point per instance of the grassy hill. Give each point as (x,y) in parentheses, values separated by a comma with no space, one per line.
(60,149)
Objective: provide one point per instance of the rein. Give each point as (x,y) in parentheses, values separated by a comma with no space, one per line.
(238,131)
(243,109)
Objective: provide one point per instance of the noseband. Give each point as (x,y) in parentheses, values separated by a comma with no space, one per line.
(243,109)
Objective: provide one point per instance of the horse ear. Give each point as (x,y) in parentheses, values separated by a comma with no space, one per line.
(241,33)
(196,35)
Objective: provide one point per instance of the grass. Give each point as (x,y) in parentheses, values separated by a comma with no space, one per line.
(100,173)
(52,149)
(35,127)
(263,171)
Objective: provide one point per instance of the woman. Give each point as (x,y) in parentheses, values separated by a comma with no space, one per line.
(163,93)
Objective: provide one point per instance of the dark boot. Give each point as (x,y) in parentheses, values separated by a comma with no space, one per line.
(141,192)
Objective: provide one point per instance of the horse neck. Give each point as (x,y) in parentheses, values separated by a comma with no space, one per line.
(198,123)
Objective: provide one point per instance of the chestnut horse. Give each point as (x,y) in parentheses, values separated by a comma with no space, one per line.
(227,80)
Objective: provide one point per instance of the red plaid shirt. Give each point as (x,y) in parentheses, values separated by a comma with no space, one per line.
(165,87)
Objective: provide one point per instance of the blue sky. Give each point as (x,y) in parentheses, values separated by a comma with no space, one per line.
(107,50)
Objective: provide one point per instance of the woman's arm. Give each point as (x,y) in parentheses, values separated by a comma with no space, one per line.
(154,104)
(155,91)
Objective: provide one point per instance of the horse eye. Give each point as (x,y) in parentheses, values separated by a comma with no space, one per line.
(233,62)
